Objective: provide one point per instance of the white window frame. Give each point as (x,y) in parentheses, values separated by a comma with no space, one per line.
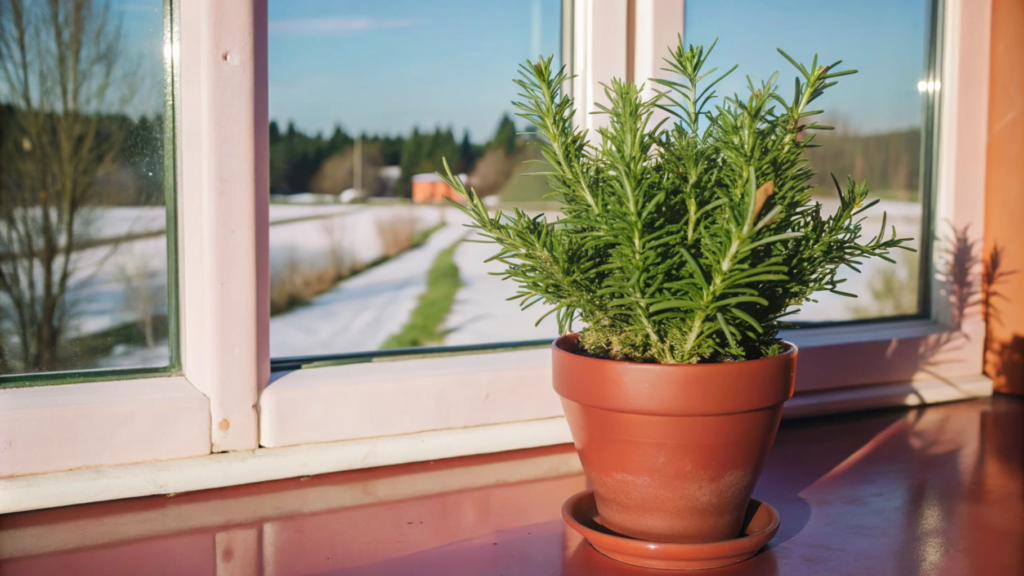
(87,442)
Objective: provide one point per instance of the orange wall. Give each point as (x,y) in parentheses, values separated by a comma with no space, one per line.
(1004,197)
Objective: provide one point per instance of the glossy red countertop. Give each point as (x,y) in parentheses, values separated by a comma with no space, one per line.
(906,492)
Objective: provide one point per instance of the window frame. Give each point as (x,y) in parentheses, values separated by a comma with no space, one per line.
(332,418)
(855,365)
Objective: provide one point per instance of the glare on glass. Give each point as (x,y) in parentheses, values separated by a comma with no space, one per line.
(83,228)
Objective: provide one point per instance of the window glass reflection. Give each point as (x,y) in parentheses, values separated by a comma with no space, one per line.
(83,229)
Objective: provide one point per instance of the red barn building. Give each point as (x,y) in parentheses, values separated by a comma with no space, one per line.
(431,188)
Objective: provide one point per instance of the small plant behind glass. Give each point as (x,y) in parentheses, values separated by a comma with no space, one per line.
(679,244)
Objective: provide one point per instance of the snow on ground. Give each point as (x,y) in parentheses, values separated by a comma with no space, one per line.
(105,278)
(482,313)
(362,311)
(352,233)
(119,221)
(105,274)
(110,222)
(279,212)
(128,356)
(906,217)
(103,223)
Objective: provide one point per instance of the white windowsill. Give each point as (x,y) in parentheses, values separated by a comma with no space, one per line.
(46,428)
(266,464)
(406,396)
(348,402)
(813,337)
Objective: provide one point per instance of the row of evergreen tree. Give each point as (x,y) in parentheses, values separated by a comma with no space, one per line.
(135,176)
(297,157)
(889,162)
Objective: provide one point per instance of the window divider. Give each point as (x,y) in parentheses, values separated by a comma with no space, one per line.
(599,54)
(224,195)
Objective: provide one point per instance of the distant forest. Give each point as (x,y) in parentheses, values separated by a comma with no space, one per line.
(889,162)
(325,164)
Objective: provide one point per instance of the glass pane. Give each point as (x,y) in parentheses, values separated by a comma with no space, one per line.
(366,98)
(878,115)
(83,216)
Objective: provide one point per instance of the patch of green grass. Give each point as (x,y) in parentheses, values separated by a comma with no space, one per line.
(424,325)
(528,184)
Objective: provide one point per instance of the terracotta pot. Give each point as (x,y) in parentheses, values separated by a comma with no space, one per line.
(672,451)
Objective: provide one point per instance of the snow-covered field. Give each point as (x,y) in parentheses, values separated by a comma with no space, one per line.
(117,222)
(906,217)
(282,212)
(364,310)
(105,274)
(106,277)
(349,229)
(352,233)
(121,221)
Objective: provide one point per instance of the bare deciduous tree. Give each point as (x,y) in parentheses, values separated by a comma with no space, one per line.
(60,73)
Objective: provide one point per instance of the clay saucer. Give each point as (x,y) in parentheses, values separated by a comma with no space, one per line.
(580,513)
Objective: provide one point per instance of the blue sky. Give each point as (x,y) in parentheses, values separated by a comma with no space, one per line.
(140,58)
(883,39)
(142,34)
(385,66)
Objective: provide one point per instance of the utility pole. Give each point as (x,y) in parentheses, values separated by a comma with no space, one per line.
(357,166)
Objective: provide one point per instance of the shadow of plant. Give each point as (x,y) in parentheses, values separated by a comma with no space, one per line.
(969,283)
(960,280)
(1004,358)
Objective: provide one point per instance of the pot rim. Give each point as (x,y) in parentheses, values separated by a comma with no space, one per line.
(557,345)
(672,389)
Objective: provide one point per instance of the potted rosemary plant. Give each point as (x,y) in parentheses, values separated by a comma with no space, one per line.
(680,248)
